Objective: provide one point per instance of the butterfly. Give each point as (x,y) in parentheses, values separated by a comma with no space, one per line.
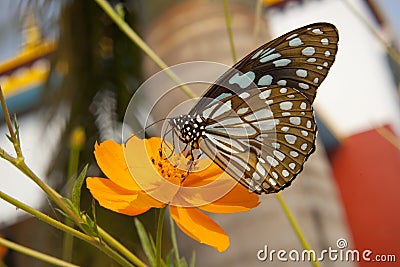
(256,122)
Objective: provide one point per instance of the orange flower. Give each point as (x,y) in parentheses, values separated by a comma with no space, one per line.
(142,177)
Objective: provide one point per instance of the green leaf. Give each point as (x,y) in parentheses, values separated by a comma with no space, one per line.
(182,262)
(153,244)
(90,226)
(119,9)
(148,248)
(16,127)
(9,138)
(168,259)
(76,190)
(193,259)
(70,205)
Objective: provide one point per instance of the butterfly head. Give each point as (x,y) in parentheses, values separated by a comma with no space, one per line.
(189,128)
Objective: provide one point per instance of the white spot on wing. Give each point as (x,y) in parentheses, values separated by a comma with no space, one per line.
(273,162)
(220,142)
(276,145)
(257,54)
(304,133)
(324,41)
(304,146)
(266,124)
(243,80)
(308,51)
(304,86)
(265,94)
(317,31)
(225,107)
(256,176)
(295,120)
(242,110)
(260,169)
(327,53)
(264,59)
(265,80)
(292,165)
(282,62)
(282,82)
(292,36)
(244,95)
(287,105)
(285,173)
(295,42)
(301,73)
(291,139)
(259,115)
(279,155)
(207,112)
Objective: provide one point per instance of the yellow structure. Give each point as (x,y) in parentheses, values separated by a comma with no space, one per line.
(30,68)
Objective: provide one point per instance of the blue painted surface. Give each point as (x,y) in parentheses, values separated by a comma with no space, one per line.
(23,101)
(329,141)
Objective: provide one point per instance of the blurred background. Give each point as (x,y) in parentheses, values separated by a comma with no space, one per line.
(64,66)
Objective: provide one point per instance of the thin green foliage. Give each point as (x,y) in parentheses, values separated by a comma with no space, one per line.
(76,190)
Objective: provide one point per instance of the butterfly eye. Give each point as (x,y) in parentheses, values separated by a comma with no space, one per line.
(257,122)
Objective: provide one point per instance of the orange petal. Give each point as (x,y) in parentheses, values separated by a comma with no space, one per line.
(200,227)
(237,200)
(206,191)
(208,173)
(138,154)
(111,160)
(114,197)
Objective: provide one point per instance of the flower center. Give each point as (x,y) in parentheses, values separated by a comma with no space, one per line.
(169,171)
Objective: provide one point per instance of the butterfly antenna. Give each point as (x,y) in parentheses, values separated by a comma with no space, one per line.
(136,133)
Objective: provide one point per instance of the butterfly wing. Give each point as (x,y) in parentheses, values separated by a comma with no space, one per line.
(263,138)
(260,124)
(299,59)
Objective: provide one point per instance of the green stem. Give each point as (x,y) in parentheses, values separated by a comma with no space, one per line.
(56,198)
(43,217)
(19,162)
(35,254)
(160,227)
(174,242)
(68,242)
(257,23)
(119,247)
(295,226)
(56,224)
(139,42)
(13,135)
(229,29)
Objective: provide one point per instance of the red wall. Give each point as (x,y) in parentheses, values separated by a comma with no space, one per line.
(367,170)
